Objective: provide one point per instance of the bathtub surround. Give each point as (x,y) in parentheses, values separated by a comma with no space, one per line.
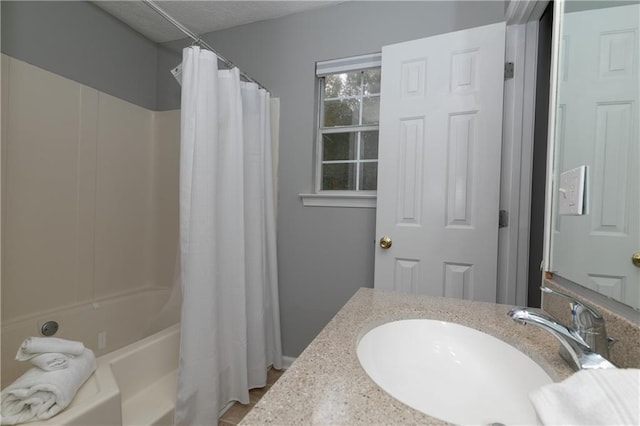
(123,319)
(230,329)
(90,212)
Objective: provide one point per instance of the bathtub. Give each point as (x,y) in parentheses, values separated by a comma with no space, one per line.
(134,385)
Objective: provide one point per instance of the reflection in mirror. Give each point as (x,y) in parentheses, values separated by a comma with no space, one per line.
(596,197)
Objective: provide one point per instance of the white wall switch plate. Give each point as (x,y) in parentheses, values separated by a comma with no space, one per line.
(571,191)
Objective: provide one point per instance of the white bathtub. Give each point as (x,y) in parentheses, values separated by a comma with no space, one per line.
(134,385)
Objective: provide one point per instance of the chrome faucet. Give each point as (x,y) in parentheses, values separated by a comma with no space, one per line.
(585,344)
(588,323)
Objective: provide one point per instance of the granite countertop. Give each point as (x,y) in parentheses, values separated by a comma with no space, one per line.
(327,385)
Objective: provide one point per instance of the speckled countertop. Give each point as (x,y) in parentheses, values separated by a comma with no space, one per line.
(326,384)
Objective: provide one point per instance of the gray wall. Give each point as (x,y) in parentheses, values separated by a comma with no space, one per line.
(168,90)
(81,42)
(326,254)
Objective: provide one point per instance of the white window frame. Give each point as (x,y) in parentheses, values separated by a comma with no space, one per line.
(342,198)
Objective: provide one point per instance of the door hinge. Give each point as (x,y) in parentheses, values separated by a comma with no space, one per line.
(508,70)
(503,219)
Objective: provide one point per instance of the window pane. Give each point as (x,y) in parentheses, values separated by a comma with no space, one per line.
(368,176)
(341,113)
(371,81)
(371,110)
(340,176)
(369,149)
(339,146)
(342,85)
(348,158)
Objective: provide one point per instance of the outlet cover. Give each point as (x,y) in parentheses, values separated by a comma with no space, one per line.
(571,192)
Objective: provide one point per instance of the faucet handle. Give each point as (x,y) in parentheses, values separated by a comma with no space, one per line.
(577,307)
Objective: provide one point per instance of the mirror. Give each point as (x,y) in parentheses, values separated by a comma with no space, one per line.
(595,209)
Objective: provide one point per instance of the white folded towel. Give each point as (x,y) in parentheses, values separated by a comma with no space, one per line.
(51,361)
(591,397)
(39,395)
(33,346)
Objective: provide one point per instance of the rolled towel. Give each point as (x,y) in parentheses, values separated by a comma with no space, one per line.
(591,397)
(33,346)
(51,361)
(39,395)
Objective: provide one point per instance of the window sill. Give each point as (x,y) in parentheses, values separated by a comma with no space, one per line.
(367,201)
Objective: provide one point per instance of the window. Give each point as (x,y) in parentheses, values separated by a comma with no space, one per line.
(346,156)
(348,130)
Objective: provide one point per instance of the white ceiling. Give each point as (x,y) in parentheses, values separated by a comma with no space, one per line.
(201,16)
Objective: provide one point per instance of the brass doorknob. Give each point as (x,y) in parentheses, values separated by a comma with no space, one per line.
(385,242)
(635,258)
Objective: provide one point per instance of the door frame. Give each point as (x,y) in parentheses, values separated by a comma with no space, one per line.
(522,17)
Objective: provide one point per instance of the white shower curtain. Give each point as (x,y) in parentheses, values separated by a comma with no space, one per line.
(230,314)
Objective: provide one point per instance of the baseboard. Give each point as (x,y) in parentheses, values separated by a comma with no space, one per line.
(287,361)
(225,408)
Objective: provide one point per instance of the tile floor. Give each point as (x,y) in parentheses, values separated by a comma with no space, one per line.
(234,415)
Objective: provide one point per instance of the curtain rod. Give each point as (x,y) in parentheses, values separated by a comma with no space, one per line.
(197,39)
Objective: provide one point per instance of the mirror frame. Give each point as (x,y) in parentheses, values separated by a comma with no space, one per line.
(558,11)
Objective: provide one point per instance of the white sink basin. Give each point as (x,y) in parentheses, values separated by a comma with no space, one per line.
(452,372)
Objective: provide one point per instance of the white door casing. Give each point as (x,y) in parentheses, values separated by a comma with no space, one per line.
(597,126)
(439,164)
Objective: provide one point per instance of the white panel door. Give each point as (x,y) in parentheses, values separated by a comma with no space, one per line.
(439,164)
(597,126)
